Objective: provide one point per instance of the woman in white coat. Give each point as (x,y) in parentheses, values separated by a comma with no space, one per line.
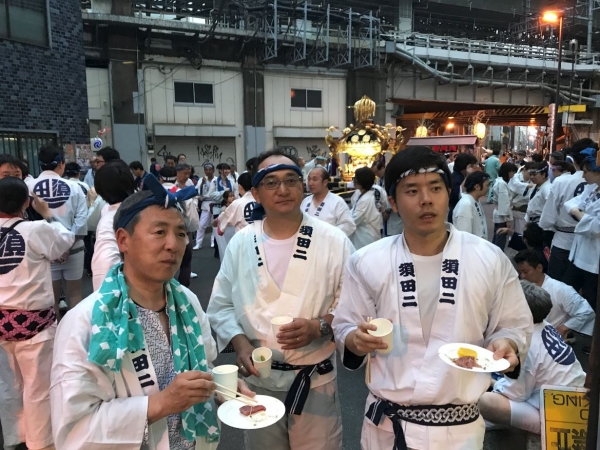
(501,198)
(365,213)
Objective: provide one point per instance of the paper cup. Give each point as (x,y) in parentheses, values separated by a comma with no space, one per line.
(276,323)
(385,332)
(263,367)
(226,375)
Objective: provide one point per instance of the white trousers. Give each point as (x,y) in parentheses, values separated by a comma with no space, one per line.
(519,221)
(205,221)
(525,416)
(25,390)
(319,427)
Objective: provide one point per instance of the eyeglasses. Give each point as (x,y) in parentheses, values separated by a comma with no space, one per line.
(273,184)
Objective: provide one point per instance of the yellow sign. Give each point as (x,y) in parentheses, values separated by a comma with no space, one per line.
(564,413)
(569,108)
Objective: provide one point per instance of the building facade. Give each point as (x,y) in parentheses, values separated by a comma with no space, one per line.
(43,95)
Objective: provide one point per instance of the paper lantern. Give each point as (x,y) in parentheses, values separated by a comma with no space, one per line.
(480,130)
(421,131)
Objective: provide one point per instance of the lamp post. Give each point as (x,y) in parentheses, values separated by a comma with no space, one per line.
(556,17)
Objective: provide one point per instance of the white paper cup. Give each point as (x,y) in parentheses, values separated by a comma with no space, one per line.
(263,367)
(226,375)
(276,323)
(385,332)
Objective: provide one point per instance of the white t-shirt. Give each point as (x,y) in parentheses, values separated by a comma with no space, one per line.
(427,271)
(278,253)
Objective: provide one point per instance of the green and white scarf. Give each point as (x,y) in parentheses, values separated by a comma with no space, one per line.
(116,329)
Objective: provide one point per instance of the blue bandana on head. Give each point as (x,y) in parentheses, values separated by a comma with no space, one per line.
(161,197)
(55,162)
(590,154)
(258,212)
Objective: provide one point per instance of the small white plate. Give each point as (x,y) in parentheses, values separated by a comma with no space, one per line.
(485,358)
(229,413)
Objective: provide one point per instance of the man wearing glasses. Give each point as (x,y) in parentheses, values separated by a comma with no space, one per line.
(105,155)
(286,264)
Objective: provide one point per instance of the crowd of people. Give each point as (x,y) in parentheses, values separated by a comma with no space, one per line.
(130,366)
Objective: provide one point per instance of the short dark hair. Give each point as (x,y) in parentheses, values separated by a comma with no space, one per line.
(365,177)
(245,181)
(224,166)
(113,182)
(496,151)
(533,235)
(168,157)
(182,166)
(226,195)
(475,179)
(47,155)
(136,165)
(250,164)
(414,158)
(530,257)
(538,299)
(275,152)
(564,166)
(124,207)
(558,156)
(506,169)
(463,160)
(11,160)
(168,172)
(108,154)
(72,169)
(528,165)
(180,155)
(537,157)
(13,195)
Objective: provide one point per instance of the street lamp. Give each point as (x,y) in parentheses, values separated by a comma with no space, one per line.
(556,17)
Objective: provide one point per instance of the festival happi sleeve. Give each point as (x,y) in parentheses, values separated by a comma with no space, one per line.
(550,211)
(354,306)
(589,225)
(221,312)
(81,214)
(51,240)
(346,252)
(226,217)
(210,346)
(345,222)
(503,202)
(520,389)
(359,212)
(462,219)
(85,413)
(509,313)
(579,310)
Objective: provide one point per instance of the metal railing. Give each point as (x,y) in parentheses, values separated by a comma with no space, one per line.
(25,146)
(489,48)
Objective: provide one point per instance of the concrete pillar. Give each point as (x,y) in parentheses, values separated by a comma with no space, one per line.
(254,109)
(404,16)
(372,83)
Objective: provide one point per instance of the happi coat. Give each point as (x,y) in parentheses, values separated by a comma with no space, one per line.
(537,200)
(550,361)
(96,409)
(468,216)
(367,218)
(333,210)
(238,214)
(480,300)
(245,297)
(554,217)
(568,307)
(586,245)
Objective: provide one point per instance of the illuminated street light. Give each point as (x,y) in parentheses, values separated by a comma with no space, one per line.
(556,17)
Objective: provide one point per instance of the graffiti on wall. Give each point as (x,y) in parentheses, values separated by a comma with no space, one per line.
(209,153)
(314,150)
(289,150)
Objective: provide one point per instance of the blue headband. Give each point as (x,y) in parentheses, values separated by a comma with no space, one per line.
(433,169)
(161,197)
(590,154)
(208,165)
(55,162)
(273,168)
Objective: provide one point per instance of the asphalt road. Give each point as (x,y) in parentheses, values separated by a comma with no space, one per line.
(351,385)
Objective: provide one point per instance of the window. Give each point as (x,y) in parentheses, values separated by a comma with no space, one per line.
(25,145)
(193,93)
(306,98)
(25,21)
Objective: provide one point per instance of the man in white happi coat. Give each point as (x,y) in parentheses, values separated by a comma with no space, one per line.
(367,205)
(69,206)
(129,374)
(27,317)
(550,361)
(538,173)
(570,311)
(239,213)
(286,263)
(520,188)
(326,206)
(208,195)
(437,285)
(556,218)
(468,214)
